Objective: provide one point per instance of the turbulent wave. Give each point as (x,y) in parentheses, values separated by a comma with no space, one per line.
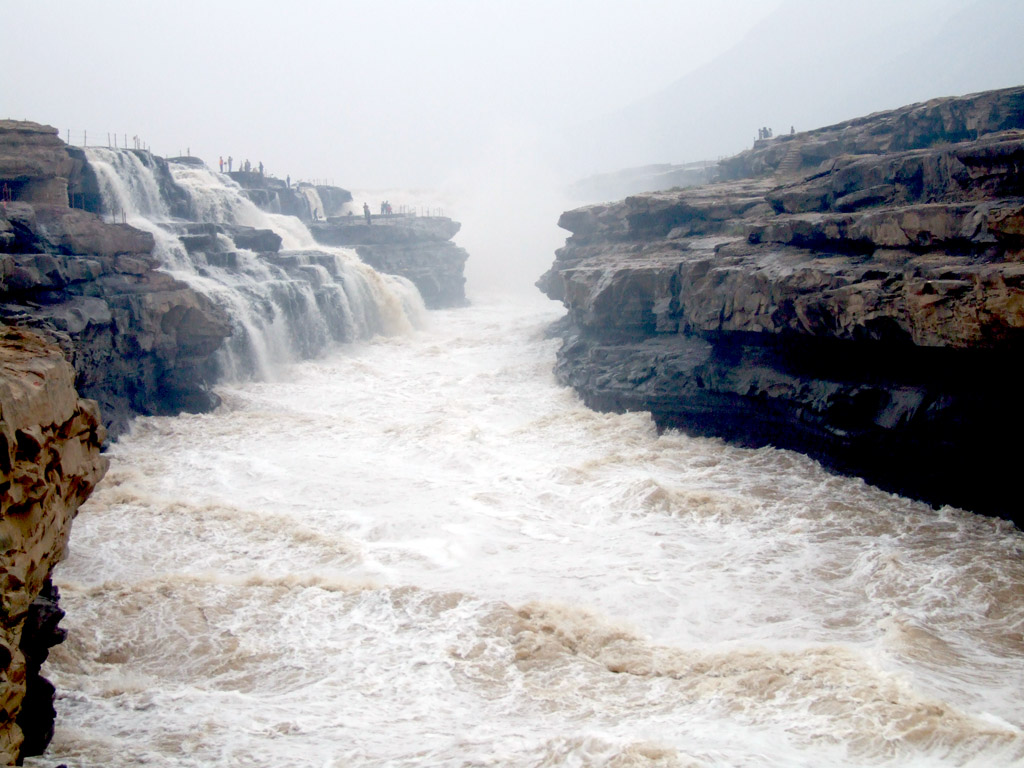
(826,695)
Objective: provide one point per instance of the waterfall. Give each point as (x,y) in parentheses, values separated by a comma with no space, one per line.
(128,185)
(317,210)
(284,305)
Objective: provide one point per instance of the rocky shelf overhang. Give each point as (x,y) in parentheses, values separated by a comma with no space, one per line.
(866,313)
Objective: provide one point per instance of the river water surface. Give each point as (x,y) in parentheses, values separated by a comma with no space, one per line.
(421,551)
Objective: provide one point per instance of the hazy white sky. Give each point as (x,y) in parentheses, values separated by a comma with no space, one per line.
(395,92)
(488,106)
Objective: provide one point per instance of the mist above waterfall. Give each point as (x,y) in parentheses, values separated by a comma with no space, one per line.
(378,95)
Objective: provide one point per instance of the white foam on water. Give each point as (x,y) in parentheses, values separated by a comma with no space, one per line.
(421,551)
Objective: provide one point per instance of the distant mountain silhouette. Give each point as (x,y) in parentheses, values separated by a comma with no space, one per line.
(810,64)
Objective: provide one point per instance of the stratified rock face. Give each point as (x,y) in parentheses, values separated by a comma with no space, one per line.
(140,340)
(33,164)
(49,463)
(863,314)
(932,124)
(417,248)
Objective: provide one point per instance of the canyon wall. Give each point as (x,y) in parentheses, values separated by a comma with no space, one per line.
(49,463)
(855,293)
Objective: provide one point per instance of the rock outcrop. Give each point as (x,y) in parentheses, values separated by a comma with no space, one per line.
(140,340)
(417,248)
(307,202)
(931,124)
(863,311)
(49,463)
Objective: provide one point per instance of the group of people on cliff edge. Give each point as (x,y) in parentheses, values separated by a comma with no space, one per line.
(245,167)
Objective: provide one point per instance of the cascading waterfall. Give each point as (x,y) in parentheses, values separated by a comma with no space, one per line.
(284,306)
(316,206)
(128,185)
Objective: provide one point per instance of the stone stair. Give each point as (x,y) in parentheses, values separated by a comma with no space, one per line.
(790,161)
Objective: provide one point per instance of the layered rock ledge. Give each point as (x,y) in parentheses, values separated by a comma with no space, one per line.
(49,463)
(418,248)
(140,340)
(865,310)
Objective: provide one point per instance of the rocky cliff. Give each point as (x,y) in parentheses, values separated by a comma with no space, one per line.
(856,293)
(417,248)
(139,339)
(49,463)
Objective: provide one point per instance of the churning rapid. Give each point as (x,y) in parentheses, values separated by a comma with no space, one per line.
(421,551)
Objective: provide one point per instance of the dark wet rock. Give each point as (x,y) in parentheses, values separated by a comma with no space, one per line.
(262,240)
(40,633)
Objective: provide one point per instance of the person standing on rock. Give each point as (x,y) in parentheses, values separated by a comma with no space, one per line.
(261,167)
(366,213)
(229,163)
(222,164)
